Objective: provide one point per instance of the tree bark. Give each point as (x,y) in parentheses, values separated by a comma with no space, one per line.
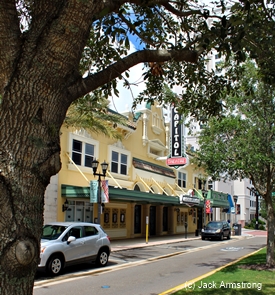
(29,155)
(270,233)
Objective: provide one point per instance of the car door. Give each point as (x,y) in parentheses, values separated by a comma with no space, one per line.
(225,229)
(92,241)
(75,250)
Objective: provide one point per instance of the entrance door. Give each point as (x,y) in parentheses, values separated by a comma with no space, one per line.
(137,220)
(165,219)
(152,220)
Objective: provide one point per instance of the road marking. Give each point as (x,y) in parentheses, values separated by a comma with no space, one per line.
(233,249)
(191,282)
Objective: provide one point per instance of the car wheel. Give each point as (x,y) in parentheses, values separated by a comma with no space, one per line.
(221,237)
(55,265)
(229,236)
(203,238)
(102,258)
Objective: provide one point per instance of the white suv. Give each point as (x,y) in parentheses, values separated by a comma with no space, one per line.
(67,243)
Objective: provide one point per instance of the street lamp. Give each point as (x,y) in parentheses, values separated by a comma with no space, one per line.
(235,201)
(104,167)
(204,195)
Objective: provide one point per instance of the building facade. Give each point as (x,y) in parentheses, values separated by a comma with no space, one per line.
(144,193)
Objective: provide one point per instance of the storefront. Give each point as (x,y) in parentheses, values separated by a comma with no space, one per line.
(212,200)
(125,215)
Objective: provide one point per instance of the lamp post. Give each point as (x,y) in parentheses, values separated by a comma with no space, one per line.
(235,201)
(104,167)
(204,195)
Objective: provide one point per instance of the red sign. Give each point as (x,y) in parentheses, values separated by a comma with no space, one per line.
(207,207)
(176,161)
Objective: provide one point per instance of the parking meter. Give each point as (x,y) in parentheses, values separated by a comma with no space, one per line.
(185,225)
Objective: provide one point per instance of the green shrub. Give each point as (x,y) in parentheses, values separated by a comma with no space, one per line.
(252,224)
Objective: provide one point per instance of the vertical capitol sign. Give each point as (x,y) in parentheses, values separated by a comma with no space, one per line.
(176,157)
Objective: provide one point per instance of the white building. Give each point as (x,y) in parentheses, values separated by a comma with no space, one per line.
(246,203)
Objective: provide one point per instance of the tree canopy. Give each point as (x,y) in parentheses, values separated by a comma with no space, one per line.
(241,143)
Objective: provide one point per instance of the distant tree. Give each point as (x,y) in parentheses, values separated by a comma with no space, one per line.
(55,52)
(241,143)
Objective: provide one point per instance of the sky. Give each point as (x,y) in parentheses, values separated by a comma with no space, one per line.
(126,96)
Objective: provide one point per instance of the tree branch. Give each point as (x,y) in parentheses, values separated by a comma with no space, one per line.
(94,81)
(133,28)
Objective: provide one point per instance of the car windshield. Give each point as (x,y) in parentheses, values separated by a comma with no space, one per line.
(214,225)
(52,232)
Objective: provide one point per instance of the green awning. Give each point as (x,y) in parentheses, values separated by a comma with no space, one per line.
(117,194)
(217,199)
(68,191)
(137,196)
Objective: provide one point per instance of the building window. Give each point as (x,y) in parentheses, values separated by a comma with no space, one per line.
(82,153)
(79,211)
(119,163)
(181,179)
(210,185)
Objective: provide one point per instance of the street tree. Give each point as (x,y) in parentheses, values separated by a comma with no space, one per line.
(241,143)
(55,52)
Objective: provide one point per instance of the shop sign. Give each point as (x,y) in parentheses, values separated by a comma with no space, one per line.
(189,199)
(176,161)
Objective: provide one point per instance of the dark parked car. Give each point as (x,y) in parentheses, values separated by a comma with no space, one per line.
(216,230)
(67,243)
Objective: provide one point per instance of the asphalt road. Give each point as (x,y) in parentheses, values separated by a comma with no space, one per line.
(150,270)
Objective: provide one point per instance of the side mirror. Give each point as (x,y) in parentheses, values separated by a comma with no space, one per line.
(71,239)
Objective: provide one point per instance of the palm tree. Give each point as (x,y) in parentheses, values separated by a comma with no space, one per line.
(92,114)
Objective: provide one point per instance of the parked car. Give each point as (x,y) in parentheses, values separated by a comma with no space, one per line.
(67,243)
(216,229)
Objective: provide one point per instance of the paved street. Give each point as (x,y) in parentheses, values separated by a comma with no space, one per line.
(152,268)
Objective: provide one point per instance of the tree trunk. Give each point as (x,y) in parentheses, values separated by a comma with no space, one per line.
(270,233)
(29,156)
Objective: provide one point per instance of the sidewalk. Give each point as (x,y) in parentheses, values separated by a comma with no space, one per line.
(119,245)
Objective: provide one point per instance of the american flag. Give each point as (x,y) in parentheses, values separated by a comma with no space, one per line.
(105,191)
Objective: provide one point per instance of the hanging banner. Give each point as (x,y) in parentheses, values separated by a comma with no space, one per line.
(207,207)
(104,192)
(93,191)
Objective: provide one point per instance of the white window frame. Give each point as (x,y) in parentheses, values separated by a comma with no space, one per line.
(84,140)
(129,160)
(179,172)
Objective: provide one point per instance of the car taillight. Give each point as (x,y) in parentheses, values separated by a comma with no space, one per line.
(109,238)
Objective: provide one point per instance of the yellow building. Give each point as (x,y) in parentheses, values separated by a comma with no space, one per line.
(142,188)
